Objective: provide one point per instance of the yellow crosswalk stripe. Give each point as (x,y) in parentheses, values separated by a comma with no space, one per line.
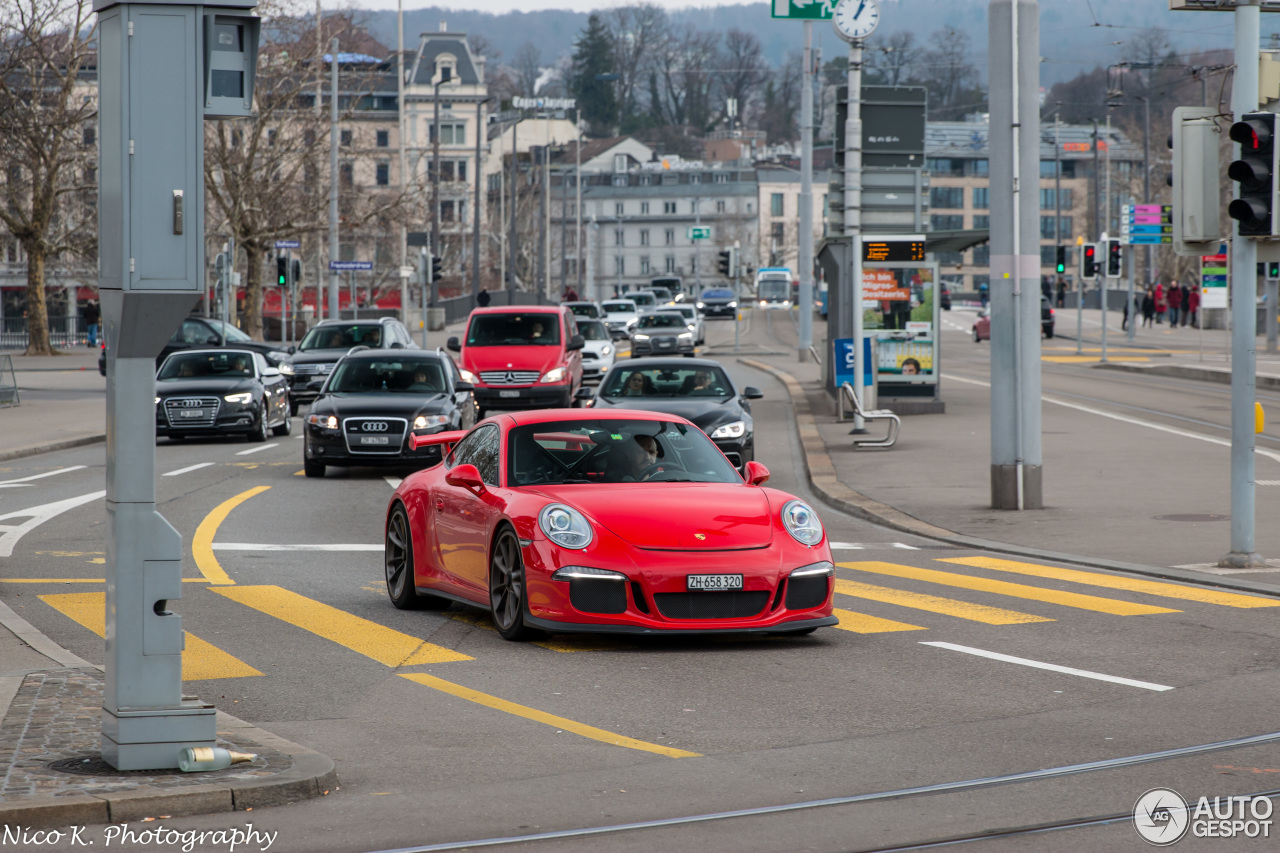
(385,645)
(1013,590)
(934,604)
(861,623)
(1165,590)
(200,660)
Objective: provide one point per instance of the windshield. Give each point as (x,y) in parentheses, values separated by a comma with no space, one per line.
(227,364)
(668,382)
(662,321)
(589,311)
(231,332)
(593,330)
(614,451)
(688,312)
(644,300)
(717,294)
(508,330)
(774,288)
(397,375)
(341,336)
(662,294)
(672,285)
(619,308)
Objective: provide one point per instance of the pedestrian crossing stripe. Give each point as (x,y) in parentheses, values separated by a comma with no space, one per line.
(1013,590)
(371,639)
(934,604)
(201,660)
(861,623)
(1165,590)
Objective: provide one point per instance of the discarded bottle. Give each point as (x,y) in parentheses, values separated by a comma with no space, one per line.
(195,759)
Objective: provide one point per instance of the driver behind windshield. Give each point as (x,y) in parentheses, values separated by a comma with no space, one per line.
(634,458)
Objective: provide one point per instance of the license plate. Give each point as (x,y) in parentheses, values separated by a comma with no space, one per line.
(375,439)
(509,395)
(714,582)
(191,413)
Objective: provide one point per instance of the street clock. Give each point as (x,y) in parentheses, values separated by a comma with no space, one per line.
(856,19)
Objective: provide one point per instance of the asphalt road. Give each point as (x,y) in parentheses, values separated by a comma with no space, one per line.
(442,732)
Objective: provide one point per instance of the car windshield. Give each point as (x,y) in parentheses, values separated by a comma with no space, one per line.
(341,336)
(593,330)
(396,375)
(614,450)
(644,300)
(508,330)
(225,364)
(662,294)
(667,382)
(717,294)
(619,308)
(231,332)
(687,312)
(588,311)
(662,321)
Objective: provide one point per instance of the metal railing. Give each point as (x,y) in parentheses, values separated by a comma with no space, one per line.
(8,383)
(63,332)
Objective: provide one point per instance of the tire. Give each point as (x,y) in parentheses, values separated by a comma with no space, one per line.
(260,434)
(1048,333)
(312,469)
(976,339)
(507,593)
(398,566)
(293,408)
(479,414)
(285,428)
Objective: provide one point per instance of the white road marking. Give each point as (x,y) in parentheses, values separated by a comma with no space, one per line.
(870,546)
(259,447)
(188,469)
(264,546)
(1126,419)
(393,482)
(1052,667)
(36,515)
(22,482)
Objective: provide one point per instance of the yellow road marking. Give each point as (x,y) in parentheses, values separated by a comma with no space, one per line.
(202,542)
(72,553)
(201,660)
(947,606)
(543,717)
(588,643)
(1013,590)
(1165,590)
(299,473)
(861,623)
(385,645)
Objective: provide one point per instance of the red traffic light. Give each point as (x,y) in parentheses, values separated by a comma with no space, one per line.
(1252,134)
(1089,250)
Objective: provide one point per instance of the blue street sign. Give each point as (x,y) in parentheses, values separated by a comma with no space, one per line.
(1149,239)
(1150,229)
(1214,280)
(288,244)
(844,365)
(342,266)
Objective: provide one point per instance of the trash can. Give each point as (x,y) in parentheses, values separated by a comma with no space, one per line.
(435,319)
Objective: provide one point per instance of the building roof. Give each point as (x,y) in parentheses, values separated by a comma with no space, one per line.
(434,44)
(591,148)
(970,140)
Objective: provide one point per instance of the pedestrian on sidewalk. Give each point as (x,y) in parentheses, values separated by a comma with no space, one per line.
(482,298)
(1124,321)
(1174,298)
(1191,307)
(1161,305)
(92,319)
(1062,292)
(1148,306)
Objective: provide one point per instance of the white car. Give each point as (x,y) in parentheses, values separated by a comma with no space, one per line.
(620,317)
(692,318)
(598,349)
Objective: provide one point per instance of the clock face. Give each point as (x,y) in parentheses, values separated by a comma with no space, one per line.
(856,19)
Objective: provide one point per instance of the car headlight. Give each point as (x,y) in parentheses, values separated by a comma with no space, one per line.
(426,421)
(276,355)
(468,376)
(327,368)
(569,573)
(686,336)
(606,349)
(323,421)
(802,522)
(733,304)
(157,401)
(640,337)
(700,304)
(242,397)
(813,570)
(286,368)
(732,430)
(565,526)
(556,374)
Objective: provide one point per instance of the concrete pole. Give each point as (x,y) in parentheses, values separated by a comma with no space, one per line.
(853,213)
(404,179)
(435,192)
(697,246)
(475,213)
(515,198)
(577,183)
(1103,250)
(1244,319)
(333,177)
(1015,255)
(539,275)
(1273,289)
(805,261)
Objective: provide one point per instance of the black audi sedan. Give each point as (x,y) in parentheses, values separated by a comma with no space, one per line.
(698,389)
(329,341)
(221,392)
(374,399)
(661,333)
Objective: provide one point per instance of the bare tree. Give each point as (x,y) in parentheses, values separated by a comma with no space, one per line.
(949,73)
(528,68)
(634,30)
(685,64)
(744,69)
(45,109)
(779,109)
(893,61)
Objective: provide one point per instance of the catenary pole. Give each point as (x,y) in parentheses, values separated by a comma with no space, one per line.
(805,260)
(333,177)
(853,213)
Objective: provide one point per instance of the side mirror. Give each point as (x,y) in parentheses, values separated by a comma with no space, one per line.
(576,342)
(291,350)
(752,393)
(756,474)
(213,340)
(453,344)
(466,476)
(270,372)
(460,387)
(584,394)
(396,345)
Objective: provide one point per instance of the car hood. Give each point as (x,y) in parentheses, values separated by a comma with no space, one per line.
(318,356)
(203,387)
(380,404)
(670,516)
(597,347)
(705,412)
(532,357)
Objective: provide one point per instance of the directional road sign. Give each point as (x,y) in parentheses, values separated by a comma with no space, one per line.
(1146,224)
(801,10)
(700,232)
(342,266)
(1213,279)
(288,244)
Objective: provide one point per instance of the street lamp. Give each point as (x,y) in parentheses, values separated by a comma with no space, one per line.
(444,76)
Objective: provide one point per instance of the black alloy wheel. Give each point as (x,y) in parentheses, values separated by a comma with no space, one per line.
(506,588)
(260,432)
(398,560)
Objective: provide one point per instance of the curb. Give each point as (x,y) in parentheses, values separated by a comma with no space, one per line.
(820,473)
(37,449)
(1219,375)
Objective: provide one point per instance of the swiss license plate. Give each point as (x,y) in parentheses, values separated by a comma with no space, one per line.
(714,582)
(509,395)
(191,413)
(375,439)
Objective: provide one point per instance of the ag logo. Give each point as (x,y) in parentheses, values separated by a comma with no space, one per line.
(1161,816)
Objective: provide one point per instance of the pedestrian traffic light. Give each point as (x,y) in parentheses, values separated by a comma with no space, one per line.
(1113,259)
(282,270)
(1273,269)
(1089,260)
(1256,207)
(1062,260)
(297,272)
(728,262)
(436,263)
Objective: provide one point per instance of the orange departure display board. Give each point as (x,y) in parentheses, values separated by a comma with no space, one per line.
(892,250)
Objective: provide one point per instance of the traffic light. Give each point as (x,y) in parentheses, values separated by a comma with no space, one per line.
(282,270)
(1113,259)
(722,264)
(1273,269)
(1089,260)
(1062,259)
(436,263)
(1256,207)
(297,272)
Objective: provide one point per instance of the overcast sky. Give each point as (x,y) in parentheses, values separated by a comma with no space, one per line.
(499,6)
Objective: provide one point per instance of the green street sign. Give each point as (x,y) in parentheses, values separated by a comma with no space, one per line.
(700,232)
(804,10)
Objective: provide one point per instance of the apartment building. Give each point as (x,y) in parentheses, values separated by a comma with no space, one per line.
(778,201)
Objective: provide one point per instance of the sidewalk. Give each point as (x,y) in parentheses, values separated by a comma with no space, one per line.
(62,403)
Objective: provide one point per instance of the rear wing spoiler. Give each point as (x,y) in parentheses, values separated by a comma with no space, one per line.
(448,439)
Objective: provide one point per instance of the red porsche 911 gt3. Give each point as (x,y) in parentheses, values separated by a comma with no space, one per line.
(622,522)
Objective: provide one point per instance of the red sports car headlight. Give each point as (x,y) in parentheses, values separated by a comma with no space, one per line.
(802,522)
(565,526)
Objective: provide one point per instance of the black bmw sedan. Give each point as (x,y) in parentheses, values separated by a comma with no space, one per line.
(374,399)
(698,389)
(221,392)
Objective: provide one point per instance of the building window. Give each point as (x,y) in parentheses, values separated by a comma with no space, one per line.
(668,207)
(384,174)
(618,208)
(1048,198)
(446,170)
(644,236)
(981,220)
(671,264)
(271,138)
(979,168)
(776,205)
(451,133)
(1046,228)
(345,175)
(89,136)
(346,138)
(644,265)
(308,138)
(1049,256)
(619,180)
(644,208)
(779,232)
(720,206)
(952,197)
(619,237)
(945,166)
(693,207)
(446,211)
(979,280)
(646,180)
(949,259)
(571,209)
(670,236)
(619,162)
(946,222)
(384,139)
(619,265)
(461,169)
(982,255)
(982,198)
(720,178)
(695,179)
